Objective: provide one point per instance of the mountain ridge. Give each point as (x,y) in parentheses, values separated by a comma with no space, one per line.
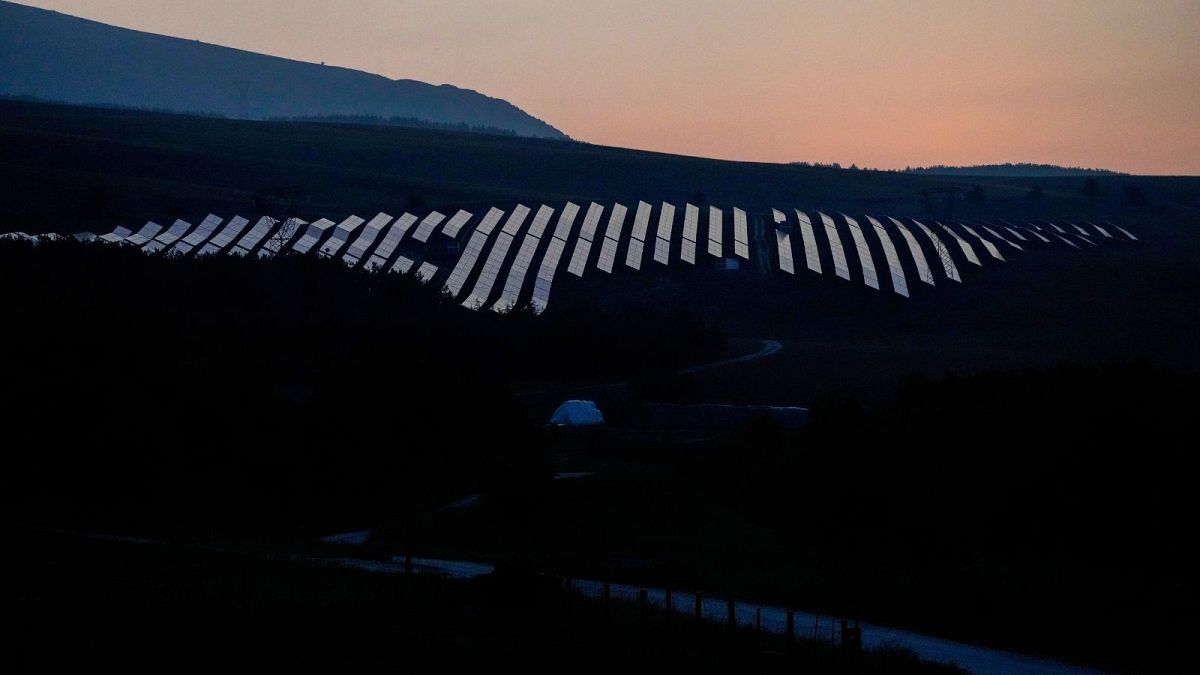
(54,56)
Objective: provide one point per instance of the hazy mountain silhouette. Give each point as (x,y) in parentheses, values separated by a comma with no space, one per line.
(53,56)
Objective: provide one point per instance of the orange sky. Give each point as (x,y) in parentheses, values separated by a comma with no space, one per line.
(1102,83)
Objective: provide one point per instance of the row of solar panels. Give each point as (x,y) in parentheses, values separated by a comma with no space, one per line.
(374,244)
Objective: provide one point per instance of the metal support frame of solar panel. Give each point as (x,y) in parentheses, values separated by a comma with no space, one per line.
(741,235)
(391,239)
(583,243)
(550,259)
(475,245)
(899,282)
(716,236)
(117,236)
(948,266)
(279,240)
(366,237)
(226,236)
(840,267)
(612,238)
(637,236)
(987,245)
(914,250)
(870,276)
(478,296)
(312,235)
(253,236)
(963,244)
(524,259)
(168,237)
(662,237)
(197,236)
(687,245)
(340,237)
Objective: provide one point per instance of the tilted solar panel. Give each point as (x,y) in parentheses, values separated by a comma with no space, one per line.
(962,244)
(583,244)
(312,235)
(554,251)
(899,283)
(811,256)
(475,245)
(914,249)
(989,246)
(223,238)
(662,243)
(783,242)
(943,254)
(455,224)
(366,237)
(496,257)
(117,235)
(202,232)
(429,224)
(391,239)
(641,221)
(340,237)
(840,266)
(716,233)
(521,264)
(148,232)
(1002,238)
(612,238)
(870,277)
(288,232)
(253,236)
(167,238)
(741,235)
(426,271)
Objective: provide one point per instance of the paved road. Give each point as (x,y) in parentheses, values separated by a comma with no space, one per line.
(768,348)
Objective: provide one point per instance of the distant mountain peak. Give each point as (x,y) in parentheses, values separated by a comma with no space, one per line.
(57,57)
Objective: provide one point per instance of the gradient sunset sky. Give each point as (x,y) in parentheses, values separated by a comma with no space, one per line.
(887,84)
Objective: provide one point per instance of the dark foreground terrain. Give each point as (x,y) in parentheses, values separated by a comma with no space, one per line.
(1001,461)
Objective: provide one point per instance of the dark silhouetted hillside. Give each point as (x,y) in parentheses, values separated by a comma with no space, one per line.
(56,57)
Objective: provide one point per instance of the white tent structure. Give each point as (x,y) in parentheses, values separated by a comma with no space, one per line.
(576,413)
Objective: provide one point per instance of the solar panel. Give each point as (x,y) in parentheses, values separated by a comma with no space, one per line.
(116,236)
(1039,235)
(783,242)
(426,271)
(741,235)
(691,221)
(554,251)
(495,260)
(1080,229)
(223,238)
(914,249)
(366,237)
(715,234)
(466,262)
(402,265)
(1101,230)
(312,236)
(812,257)
(962,244)
(870,277)
(520,266)
(1123,231)
(1014,232)
(662,239)
(202,232)
(430,223)
(148,232)
(1087,240)
(899,283)
(991,248)
(340,237)
(778,216)
(1058,229)
(170,236)
(641,221)
(612,237)
(1068,242)
(1002,238)
(391,239)
(943,255)
(840,267)
(279,240)
(254,235)
(583,244)
(455,224)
